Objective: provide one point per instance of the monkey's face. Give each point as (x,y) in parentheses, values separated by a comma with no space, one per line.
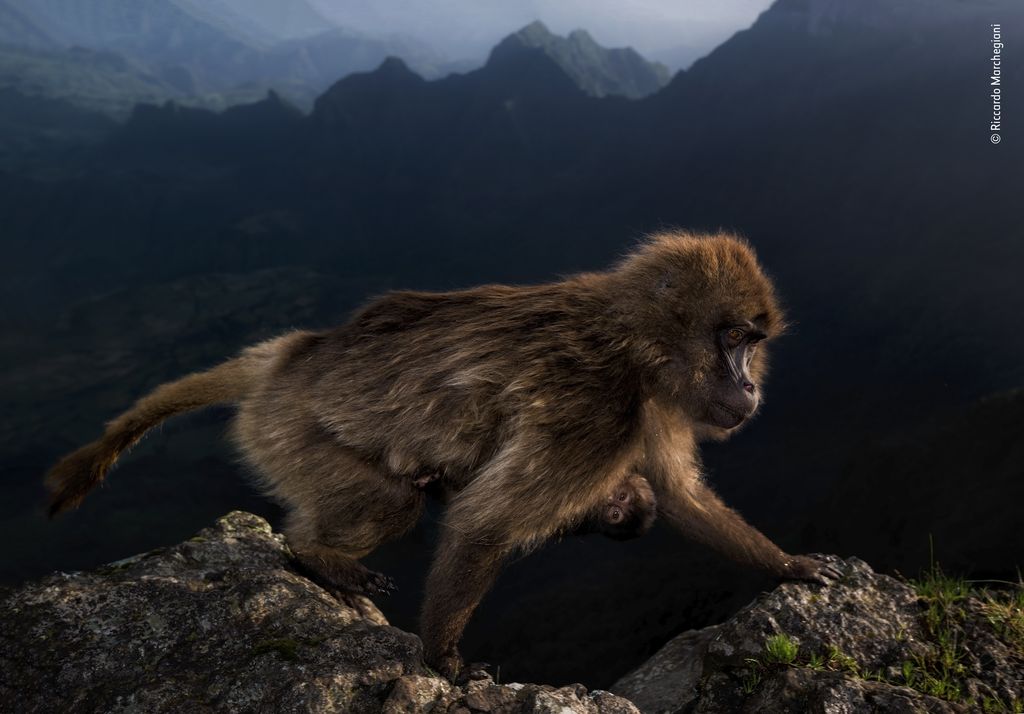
(629,511)
(704,306)
(716,378)
(733,395)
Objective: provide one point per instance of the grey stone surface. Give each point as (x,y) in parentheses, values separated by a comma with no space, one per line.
(222,623)
(871,623)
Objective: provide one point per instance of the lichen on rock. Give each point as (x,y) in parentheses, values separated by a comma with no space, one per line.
(221,622)
(863,643)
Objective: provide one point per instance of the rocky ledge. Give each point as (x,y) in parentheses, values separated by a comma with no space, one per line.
(866,643)
(222,623)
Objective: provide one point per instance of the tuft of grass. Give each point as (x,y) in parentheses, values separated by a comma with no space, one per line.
(994,705)
(877,676)
(839,661)
(780,649)
(909,672)
(939,672)
(934,584)
(1004,611)
(752,678)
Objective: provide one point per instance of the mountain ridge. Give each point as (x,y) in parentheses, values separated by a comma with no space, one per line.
(217,58)
(208,53)
(596,70)
(860,170)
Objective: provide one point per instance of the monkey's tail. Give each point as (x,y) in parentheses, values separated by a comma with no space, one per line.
(82,470)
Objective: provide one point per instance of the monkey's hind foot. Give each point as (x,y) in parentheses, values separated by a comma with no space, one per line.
(452,667)
(341,574)
(475,671)
(378,584)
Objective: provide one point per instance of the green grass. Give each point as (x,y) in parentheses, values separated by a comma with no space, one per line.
(838,661)
(940,671)
(750,680)
(1004,611)
(780,649)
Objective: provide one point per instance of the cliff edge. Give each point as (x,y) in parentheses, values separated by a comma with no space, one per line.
(222,622)
(866,643)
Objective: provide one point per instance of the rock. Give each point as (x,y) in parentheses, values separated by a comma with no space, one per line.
(852,646)
(222,623)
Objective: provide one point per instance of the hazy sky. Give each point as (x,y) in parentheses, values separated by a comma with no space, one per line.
(670,30)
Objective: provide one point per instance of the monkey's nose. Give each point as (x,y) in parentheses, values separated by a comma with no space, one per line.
(748,387)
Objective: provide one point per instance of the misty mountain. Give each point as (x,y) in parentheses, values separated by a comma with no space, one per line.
(16,28)
(277,19)
(93,80)
(218,53)
(169,48)
(848,141)
(323,58)
(205,53)
(596,70)
(163,31)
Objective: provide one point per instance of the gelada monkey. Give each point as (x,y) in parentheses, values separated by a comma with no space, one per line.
(628,511)
(531,402)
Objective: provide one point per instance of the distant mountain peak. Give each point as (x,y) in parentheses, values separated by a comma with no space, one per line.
(535,30)
(581,36)
(596,70)
(394,66)
(359,92)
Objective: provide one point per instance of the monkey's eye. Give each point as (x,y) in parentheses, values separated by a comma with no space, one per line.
(615,515)
(623,495)
(734,335)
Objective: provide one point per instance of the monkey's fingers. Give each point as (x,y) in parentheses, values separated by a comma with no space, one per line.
(822,577)
(379,584)
(831,572)
(828,569)
(814,569)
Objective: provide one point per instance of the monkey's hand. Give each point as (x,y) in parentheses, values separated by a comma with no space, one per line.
(811,568)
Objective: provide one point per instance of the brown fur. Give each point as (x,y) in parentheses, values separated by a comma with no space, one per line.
(71,479)
(532,403)
(628,511)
